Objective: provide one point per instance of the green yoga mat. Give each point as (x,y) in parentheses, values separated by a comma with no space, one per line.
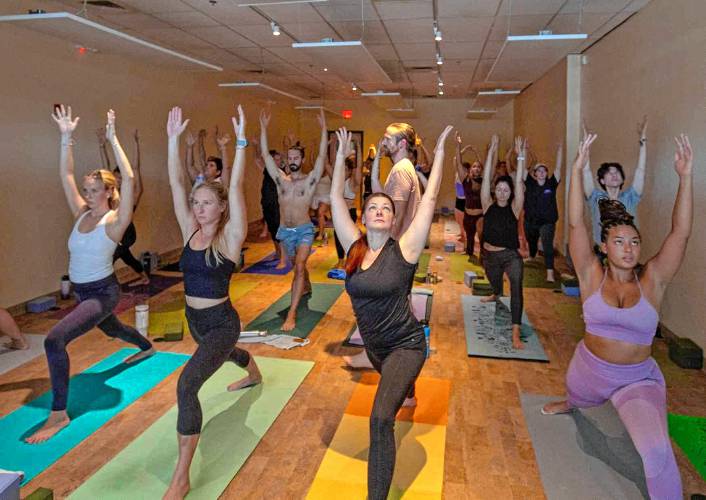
(310,311)
(570,315)
(233,424)
(535,276)
(690,434)
(458,264)
(95,396)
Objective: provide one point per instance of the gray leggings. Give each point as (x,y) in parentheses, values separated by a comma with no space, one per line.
(508,262)
(545,232)
(399,369)
(216,330)
(97,300)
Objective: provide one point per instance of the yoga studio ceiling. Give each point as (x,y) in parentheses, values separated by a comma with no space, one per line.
(403,41)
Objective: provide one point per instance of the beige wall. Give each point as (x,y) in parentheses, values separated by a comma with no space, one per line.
(630,73)
(39,71)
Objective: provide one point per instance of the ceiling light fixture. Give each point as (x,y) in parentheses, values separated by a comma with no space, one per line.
(441,82)
(546,35)
(278,2)
(441,91)
(379,93)
(437,32)
(275,28)
(354,87)
(439,59)
(325,43)
(498,92)
(325,69)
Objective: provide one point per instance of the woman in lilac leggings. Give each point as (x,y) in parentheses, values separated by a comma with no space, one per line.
(620,307)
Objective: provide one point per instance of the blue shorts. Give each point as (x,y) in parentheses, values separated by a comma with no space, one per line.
(294,237)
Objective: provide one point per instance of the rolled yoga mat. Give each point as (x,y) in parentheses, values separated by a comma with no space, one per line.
(690,434)
(584,455)
(489,331)
(233,425)
(12,358)
(458,265)
(310,311)
(420,435)
(95,396)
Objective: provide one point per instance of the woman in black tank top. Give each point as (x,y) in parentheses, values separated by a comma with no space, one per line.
(500,235)
(213,226)
(379,279)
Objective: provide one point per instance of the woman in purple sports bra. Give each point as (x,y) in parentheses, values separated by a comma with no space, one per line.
(620,307)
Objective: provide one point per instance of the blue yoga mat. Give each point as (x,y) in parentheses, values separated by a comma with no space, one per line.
(489,331)
(268,265)
(95,396)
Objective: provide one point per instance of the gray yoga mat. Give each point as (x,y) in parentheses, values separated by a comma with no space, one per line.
(584,455)
(12,358)
(489,331)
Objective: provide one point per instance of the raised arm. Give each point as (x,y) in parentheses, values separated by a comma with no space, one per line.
(102,148)
(222,145)
(346,230)
(519,200)
(414,238)
(137,169)
(582,255)
(586,174)
(665,264)
(638,181)
(559,161)
(62,117)
(375,171)
(320,163)
(428,159)
(236,228)
(184,215)
(201,157)
(270,165)
(190,166)
(458,159)
(486,198)
(117,227)
(357,176)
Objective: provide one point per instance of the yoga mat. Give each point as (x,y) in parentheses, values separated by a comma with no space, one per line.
(12,358)
(131,296)
(233,424)
(95,396)
(489,331)
(458,264)
(690,434)
(266,266)
(310,311)
(535,276)
(451,227)
(423,263)
(318,270)
(420,435)
(571,316)
(584,455)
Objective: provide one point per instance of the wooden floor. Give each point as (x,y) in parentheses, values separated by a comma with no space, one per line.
(489,453)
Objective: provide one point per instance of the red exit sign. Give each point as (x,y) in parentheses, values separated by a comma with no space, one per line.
(347,114)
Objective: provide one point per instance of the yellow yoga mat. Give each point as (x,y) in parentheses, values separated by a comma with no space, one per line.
(166,317)
(420,434)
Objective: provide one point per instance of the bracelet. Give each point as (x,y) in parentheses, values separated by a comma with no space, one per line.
(241,143)
(642,142)
(70,142)
(520,158)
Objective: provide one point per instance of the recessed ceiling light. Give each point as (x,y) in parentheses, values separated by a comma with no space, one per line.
(441,91)
(275,28)
(325,69)
(498,92)
(354,87)
(439,59)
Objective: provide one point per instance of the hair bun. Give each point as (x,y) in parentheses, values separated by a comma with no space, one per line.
(614,212)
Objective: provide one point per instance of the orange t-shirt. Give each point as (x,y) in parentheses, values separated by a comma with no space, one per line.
(403,185)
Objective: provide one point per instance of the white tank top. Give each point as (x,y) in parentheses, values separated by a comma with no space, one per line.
(90,254)
(348,193)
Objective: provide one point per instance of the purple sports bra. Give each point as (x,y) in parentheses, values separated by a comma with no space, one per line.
(635,325)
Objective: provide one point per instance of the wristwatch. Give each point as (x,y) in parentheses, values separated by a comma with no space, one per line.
(241,143)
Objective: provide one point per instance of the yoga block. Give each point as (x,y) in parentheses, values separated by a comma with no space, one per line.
(41,304)
(449,246)
(173,332)
(445,211)
(10,485)
(41,494)
(468,277)
(686,354)
(571,291)
(420,277)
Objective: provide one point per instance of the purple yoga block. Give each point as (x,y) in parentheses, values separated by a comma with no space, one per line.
(571,291)
(449,246)
(41,304)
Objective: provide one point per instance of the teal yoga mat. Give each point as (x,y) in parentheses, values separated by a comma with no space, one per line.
(489,331)
(233,424)
(311,309)
(95,396)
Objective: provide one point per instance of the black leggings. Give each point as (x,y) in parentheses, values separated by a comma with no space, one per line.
(270,212)
(339,248)
(123,250)
(533,232)
(216,330)
(470,223)
(399,369)
(97,300)
(509,262)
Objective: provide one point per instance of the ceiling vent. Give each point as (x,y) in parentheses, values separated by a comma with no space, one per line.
(420,69)
(105,3)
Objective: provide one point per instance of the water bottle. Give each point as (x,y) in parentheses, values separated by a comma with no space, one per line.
(427,331)
(65,287)
(142,318)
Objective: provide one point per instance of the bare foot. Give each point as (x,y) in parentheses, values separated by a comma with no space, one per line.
(409,402)
(358,361)
(139,355)
(340,264)
(281,265)
(516,341)
(489,298)
(57,420)
(550,276)
(177,490)
(289,324)
(145,280)
(556,408)
(254,377)
(20,344)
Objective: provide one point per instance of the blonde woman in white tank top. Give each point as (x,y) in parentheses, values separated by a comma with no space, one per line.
(100,224)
